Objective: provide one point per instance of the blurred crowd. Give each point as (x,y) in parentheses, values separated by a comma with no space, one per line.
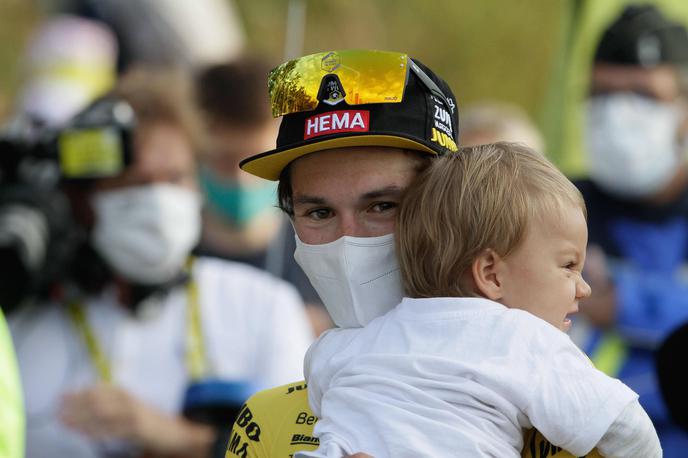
(149,284)
(163,291)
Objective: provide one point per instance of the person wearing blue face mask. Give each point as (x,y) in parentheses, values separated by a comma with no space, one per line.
(241,221)
(235,201)
(637,196)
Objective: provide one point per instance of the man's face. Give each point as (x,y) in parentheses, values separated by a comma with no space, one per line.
(349,191)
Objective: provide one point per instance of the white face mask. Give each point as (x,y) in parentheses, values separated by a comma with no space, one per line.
(357,278)
(146,233)
(631,144)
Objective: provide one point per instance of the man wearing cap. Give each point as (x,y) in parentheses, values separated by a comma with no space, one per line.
(357,128)
(637,196)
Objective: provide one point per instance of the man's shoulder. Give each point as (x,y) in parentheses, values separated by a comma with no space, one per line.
(274,423)
(281,408)
(291,395)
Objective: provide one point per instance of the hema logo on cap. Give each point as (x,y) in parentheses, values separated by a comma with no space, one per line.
(335,122)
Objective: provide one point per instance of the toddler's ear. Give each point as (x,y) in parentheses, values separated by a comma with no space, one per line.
(485,269)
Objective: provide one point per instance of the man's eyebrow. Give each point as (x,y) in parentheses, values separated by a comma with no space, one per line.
(309,200)
(387,191)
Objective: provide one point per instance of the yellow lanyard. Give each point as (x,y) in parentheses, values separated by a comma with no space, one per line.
(95,352)
(610,354)
(196,358)
(196,361)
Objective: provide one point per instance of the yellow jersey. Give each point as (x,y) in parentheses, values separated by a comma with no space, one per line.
(278,422)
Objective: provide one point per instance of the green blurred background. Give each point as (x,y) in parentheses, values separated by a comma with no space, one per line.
(534,53)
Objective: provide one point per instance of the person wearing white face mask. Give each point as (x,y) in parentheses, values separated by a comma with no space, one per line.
(637,196)
(347,149)
(139,331)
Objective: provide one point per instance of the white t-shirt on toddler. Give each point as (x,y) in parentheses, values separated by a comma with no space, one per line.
(456,376)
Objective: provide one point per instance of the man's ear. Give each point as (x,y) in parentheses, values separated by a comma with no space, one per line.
(485,271)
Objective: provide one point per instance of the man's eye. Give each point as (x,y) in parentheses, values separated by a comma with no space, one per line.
(382,207)
(319,213)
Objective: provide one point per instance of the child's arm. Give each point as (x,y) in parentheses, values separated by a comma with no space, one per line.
(571,402)
(631,435)
(318,361)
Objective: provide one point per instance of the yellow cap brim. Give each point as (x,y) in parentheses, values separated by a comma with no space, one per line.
(269,165)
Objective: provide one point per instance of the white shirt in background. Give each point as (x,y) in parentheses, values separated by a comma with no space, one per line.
(254,329)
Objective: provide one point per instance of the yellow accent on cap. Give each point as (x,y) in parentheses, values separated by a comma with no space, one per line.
(271,164)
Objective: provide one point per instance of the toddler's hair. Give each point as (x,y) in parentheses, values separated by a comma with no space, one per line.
(477,198)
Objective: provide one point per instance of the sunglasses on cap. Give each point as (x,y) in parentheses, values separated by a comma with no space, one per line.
(356,76)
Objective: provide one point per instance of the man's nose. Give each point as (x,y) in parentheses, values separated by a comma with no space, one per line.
(352,226)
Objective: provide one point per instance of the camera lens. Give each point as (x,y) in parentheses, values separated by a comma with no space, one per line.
(24,238)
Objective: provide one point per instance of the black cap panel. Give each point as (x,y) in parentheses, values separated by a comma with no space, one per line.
(421,121)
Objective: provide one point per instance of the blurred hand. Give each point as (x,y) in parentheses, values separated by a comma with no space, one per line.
(108,412)
(104,411)
(358,455)
(600,307)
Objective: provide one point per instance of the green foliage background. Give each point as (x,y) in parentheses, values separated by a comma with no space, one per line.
(483,48)
(17,20)
(528,52)
(499,49)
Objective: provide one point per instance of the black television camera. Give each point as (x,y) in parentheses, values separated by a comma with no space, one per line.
(37,234)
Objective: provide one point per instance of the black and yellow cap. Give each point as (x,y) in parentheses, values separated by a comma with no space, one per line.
(425,119)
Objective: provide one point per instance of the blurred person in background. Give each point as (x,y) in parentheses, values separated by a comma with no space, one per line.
(241,221)
(138,335)
(493,121)
(69,61)
(637,197)
(166,33)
